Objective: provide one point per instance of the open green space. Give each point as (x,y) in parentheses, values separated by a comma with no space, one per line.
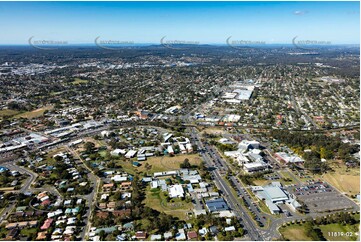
(35,113)
(331,232)
(287,178)
(294,232)
(177,207)
(28,232)
(78,81)
(161,163)
(343,232)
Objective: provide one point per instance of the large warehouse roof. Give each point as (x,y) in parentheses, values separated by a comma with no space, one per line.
(275,194)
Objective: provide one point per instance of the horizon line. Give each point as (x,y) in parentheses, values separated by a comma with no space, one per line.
(174,44)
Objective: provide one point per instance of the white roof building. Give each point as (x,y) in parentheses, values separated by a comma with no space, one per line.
(118,152)
(230,228)
(189,147)
(176,191)
(130,154)
(155,237)
(119,178)
(154,184)
(288,158)
(170,149)
(182,148)
(255,166)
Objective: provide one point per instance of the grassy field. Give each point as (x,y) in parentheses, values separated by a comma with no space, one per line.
(8,112)
(5,189)
(49,157)
(35,113)
(97,143)
(214,130)
(157,200)
(28,232)
(345,180)
(286,175)
(347,230)
(163,163)
(78,81)
(294,233)
(345,183)
(261,182)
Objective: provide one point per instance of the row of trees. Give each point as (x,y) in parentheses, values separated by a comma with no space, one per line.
(322,146)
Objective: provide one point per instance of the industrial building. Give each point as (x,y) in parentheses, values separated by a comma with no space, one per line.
(255,166)
(216,205)
(271,194)
(288,158)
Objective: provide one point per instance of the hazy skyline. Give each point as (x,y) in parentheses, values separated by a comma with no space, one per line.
(203,22)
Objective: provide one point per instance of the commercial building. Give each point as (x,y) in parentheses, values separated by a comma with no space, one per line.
(216,205)
(130,154)
(288,158)
(176,191)
(271,194)
(248,144)
(255,166)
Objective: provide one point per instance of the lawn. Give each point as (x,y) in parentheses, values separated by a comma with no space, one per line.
(261,182)
(294,233)
(78,81)
(213,130)
(35,113)
(345,181)
(28,232)
(5,189)
(285,174)
(97,143)
(347,230)
(49,160)
(163,163)
(102,153)
(262,205)
(156,199)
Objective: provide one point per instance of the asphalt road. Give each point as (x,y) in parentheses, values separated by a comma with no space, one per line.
(239,211)
(24,188)
(90,198)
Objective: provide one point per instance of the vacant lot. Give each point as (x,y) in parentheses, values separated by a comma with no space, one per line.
(347,230)
(156,199)
(163,163)
(294,233)
(343,180)
(35,113)
(214,130)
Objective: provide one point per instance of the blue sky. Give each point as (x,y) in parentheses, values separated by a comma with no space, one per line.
(204,22)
